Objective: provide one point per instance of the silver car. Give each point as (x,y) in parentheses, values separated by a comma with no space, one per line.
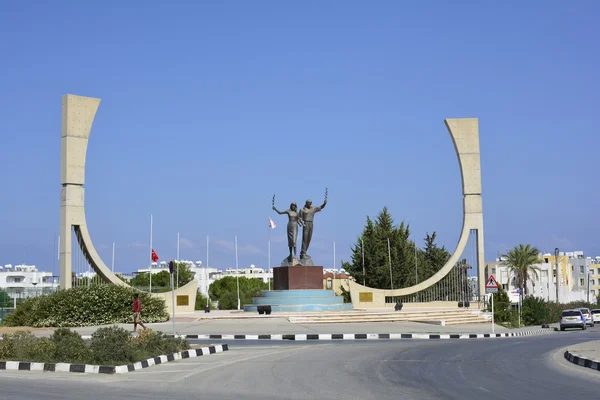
(587,315)
(572,319)
(596,315)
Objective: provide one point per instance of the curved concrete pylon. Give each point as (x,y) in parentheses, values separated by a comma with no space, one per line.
(78,115)
(465,136)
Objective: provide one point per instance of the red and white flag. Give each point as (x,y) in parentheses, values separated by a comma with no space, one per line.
(154,256)
(271,223)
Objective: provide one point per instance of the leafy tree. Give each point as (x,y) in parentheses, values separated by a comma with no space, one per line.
(5,299)
(163,278)
(521,262)
(201,302)
(225,289)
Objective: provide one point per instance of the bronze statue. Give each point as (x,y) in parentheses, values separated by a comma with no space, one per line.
(292,226)
(307,215)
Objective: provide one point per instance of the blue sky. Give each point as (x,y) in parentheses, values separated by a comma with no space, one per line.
(209,108)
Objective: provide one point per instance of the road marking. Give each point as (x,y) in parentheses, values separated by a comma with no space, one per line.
(237,360)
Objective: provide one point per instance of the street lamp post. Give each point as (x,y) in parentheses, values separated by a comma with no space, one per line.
(556,264)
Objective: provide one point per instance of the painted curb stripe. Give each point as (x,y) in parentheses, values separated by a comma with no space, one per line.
(362,336)
(110,369)
(582,361)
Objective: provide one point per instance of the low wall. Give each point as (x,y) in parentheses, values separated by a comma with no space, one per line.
(365,298)
(185,298)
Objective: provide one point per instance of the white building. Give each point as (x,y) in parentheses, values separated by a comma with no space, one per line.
(22,281)
(544,285)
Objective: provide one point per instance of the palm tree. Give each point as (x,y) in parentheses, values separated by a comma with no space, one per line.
(521,262)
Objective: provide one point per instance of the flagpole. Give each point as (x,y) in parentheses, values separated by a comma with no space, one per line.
(390,257)
(237,274)
(113,259)
(362,243)
(57,259)
(269,266)
(206,272)
(150,270)
(334,268)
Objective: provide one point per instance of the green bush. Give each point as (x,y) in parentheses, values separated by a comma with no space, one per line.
(68,346)
(201,302)
(150,344)
(501,307)
(86,306)
(19,346)
(537,311)
(109,346)
(228,301)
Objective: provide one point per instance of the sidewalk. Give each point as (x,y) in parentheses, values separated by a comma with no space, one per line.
(586,354)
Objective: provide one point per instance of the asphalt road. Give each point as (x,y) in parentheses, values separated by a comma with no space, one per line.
(516,368)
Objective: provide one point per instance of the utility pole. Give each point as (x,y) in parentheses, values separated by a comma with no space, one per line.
(588,286)
(556,263)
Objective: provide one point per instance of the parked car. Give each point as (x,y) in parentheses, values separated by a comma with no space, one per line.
(596,315)
(587,315)
(572,319)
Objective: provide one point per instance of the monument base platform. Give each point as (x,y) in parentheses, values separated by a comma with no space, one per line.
(299,300)
(297,277)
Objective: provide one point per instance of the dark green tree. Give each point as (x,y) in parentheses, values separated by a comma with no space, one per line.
(403,251)
(434,257)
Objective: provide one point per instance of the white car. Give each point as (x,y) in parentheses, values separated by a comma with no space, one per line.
(596,315)
(587,316)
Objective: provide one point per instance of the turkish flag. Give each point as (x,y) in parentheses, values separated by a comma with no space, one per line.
(154,256)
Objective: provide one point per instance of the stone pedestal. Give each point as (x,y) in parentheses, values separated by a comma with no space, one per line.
(297,277)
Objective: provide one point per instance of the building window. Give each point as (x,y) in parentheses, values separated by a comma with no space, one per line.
(581,281)
(592,282)
(494,271)
(546,260)
(581,269)
(593,292)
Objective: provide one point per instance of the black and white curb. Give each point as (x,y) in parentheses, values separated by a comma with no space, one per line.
(582,361)
(109,369)
(358,336)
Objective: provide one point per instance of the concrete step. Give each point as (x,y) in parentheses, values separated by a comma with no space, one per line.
(453,317)
(383,317)
(451,320)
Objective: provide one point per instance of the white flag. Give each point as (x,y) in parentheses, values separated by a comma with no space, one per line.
(271,223)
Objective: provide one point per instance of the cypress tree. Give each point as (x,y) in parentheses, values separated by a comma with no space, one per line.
(375,237)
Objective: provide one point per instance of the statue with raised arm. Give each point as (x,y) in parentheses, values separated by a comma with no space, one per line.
(292,227)
(307,216)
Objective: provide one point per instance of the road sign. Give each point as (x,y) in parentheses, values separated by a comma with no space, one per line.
(171,266)
(492,285)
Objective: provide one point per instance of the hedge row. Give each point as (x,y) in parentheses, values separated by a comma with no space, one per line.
(86,306)
(108,346)
(534,310)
